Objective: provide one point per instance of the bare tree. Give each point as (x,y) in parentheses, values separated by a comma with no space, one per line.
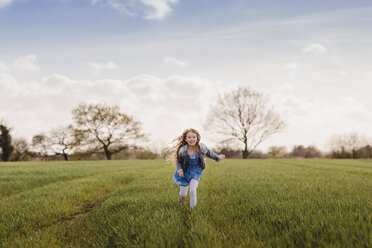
(365,151)
(346,145)
(20,149)
(104,128)
(245,116)
(277,151)
(305,152)
(41,145)
(62,140)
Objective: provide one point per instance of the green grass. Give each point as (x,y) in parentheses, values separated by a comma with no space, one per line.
(241,203)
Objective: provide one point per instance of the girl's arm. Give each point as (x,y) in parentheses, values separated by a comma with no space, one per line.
(214,156)
(179,163)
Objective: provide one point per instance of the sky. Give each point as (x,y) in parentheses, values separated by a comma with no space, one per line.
(165,62)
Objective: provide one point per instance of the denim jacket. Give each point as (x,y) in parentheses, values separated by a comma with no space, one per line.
(203,151)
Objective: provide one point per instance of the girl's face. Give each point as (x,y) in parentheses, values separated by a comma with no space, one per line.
(191,138)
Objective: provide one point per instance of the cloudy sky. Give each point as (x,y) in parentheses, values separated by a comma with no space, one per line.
(166,61)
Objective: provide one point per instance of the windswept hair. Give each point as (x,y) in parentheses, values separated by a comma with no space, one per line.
(181,141)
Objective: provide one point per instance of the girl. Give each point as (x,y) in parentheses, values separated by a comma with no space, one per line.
(190,157)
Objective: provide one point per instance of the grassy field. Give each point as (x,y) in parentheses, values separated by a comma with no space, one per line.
(241,203)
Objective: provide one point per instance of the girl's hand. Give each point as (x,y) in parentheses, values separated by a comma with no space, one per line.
(222,156)
(180,174)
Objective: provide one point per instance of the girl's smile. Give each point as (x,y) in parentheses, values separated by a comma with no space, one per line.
(191,138)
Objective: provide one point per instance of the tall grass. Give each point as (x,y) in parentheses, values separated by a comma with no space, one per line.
(241,203)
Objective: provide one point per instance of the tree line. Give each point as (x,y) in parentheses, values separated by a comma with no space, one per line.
(240,120)
(357,151)
(97,129)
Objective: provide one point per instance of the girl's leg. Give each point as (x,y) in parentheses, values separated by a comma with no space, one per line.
(183,193)
(193,186)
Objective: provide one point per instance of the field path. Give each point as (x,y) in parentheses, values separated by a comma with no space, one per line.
(45,205)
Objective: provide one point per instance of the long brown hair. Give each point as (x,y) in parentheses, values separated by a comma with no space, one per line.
(181,141)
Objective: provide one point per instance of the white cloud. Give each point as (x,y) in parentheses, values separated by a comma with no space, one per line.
(4,3)
(3,67)
(320,119)
(292,65)
(56,80)
(349,100)
(148,9)
(143,85)
(98,67)
(164,106)
(6,82)
(315,48)
(176,62)
(369,106)
(286,87)
(25,64)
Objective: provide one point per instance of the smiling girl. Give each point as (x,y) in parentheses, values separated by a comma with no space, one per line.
(190,156)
